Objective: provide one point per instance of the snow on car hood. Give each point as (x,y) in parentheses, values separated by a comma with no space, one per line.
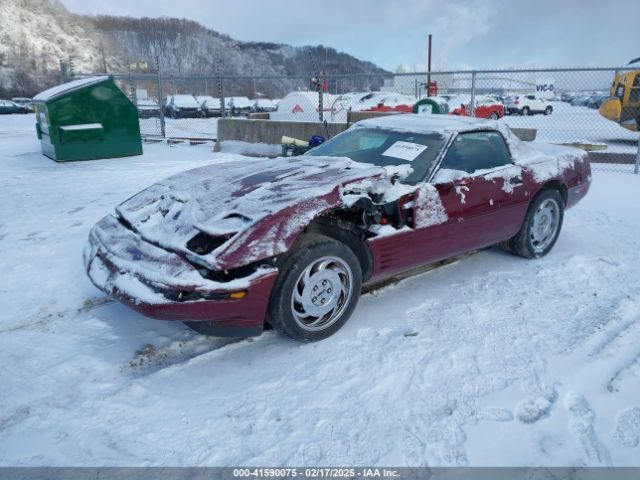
(258,204)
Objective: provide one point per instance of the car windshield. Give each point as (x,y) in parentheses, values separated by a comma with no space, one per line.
(383,148)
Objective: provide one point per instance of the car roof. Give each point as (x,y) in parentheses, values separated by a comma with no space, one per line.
(429,123)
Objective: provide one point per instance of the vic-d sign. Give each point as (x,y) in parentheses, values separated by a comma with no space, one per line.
(544,88)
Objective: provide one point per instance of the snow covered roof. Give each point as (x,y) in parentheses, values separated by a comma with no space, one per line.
(429,123)
(147,102)
(183,100)
(265,103)
(208,101)
(238,102)
(65,88)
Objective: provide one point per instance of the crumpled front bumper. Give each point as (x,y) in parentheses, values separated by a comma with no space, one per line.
(163,285)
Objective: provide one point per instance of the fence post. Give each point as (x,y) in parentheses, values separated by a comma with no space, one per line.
(160,98)
(637,169)
(161,105)
(132,90)
(472,103)
(223,107)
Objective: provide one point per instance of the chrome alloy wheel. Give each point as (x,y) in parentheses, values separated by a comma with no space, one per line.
(322,293)
(544,225)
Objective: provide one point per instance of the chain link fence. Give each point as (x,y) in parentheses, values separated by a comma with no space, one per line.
(562,105)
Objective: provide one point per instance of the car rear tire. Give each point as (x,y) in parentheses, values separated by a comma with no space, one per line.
(526,111)
(317,289)
(548,110)
(541,226)
(493,116)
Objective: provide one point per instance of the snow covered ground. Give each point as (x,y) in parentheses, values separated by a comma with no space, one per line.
(492,360)
(569,124)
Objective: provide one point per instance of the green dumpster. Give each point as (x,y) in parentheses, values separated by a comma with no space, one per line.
(87,119)
(430,105)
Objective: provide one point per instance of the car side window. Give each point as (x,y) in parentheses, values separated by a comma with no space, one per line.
(473,151)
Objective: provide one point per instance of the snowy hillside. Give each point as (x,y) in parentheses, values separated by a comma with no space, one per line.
(36,34)
(492,360)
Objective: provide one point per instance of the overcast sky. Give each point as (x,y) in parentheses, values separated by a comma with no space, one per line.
(466,33)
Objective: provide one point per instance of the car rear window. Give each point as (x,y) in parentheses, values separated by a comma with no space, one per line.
(383,148)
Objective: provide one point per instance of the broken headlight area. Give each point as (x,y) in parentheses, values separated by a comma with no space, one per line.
(225,276)
(203,243)
(389,213)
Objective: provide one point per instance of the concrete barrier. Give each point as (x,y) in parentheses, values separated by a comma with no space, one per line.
(271,131)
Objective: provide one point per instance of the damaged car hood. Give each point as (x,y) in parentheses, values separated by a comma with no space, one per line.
(247,209)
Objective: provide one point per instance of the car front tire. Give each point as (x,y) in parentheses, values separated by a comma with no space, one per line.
(526,111)
(317,289)
(541,226)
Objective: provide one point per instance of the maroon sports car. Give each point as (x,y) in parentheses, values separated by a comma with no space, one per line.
(289,242)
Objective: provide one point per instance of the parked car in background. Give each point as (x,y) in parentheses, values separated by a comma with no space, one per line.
(264,105)
(579,100)
(485,108)
(211,106)
(566,96)
(234,246)
(182,106)
(7,107)
(24,101)
(527,105)
(595,101)
(239,105)
(147,108)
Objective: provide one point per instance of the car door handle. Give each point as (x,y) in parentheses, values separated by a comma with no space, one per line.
(516,181)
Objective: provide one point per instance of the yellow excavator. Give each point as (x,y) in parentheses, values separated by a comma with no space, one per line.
(623,107)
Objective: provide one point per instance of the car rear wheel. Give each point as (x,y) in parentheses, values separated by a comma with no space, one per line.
(493,116)
(548,110)
(526,111)
(317,289)
(541,226)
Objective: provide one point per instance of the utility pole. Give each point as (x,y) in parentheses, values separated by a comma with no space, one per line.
(429,69)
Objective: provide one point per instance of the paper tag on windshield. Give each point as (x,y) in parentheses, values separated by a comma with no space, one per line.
(404,150)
